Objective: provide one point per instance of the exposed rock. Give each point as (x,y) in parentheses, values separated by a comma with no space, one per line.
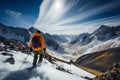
(10,60)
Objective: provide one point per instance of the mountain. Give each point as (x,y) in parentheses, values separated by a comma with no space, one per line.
(104,37)
(103,33)
(99,62)
(106,32)
(11,32)
(24,35)
(53,44)
(60,38)
(82,39)
(32,29)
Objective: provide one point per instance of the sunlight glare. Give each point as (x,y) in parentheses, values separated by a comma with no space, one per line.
(58,4)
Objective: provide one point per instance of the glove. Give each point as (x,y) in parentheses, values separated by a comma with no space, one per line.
(31,49)
(44,49)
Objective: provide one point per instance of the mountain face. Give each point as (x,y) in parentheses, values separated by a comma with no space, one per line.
(32,29)
(104,37)
(106,32)
(99,61)
(52,44)
(20,34)
(60,38)
(102,34)
(82,39)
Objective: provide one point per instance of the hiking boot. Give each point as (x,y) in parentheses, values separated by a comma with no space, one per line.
(34,64)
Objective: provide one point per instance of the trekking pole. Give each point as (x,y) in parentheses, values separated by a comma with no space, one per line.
(25,60)
(43,57)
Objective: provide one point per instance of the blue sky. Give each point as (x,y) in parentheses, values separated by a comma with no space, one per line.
(60,16)
(19,13)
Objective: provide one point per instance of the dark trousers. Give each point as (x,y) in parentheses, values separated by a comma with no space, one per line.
(37,54)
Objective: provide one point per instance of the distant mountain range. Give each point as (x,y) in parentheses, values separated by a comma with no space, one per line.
(16,33)
(104,37)
(24,35)
(103,33)
(106,32)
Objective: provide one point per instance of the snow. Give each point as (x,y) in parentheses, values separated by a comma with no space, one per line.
(99,46)
(46,71)
(1,44)
(75,70)
(93,46)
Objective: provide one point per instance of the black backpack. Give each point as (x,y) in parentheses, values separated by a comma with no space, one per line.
(36,42)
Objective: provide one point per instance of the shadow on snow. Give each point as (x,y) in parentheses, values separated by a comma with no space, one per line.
(26,75)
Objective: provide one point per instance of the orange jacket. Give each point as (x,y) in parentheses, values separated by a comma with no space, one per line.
(41,41)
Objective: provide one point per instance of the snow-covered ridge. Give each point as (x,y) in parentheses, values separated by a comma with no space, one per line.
(24,35)
(20,34)
(103,38)
(106,45)
(103,33)
(106,32)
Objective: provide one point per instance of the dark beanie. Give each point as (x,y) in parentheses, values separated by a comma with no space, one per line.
(38,31)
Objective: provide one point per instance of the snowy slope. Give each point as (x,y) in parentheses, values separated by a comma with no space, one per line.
(105,45)
(103,38)
(97,45)
(47,71)
(94,46)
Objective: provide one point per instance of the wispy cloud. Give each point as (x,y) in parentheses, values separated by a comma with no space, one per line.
(84,27)
(13,14)
(17,18)
(94,11)
(57,16)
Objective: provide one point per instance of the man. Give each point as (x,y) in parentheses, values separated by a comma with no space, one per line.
(37,44)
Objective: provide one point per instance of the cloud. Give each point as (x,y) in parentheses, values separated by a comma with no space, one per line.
(81,28)
(13,14)
(58,16)
(86,14)
(17,18)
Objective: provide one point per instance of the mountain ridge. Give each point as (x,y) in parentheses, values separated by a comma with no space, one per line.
(102,33)
(24,35)
(20,34)
(104,37)
(100,61)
